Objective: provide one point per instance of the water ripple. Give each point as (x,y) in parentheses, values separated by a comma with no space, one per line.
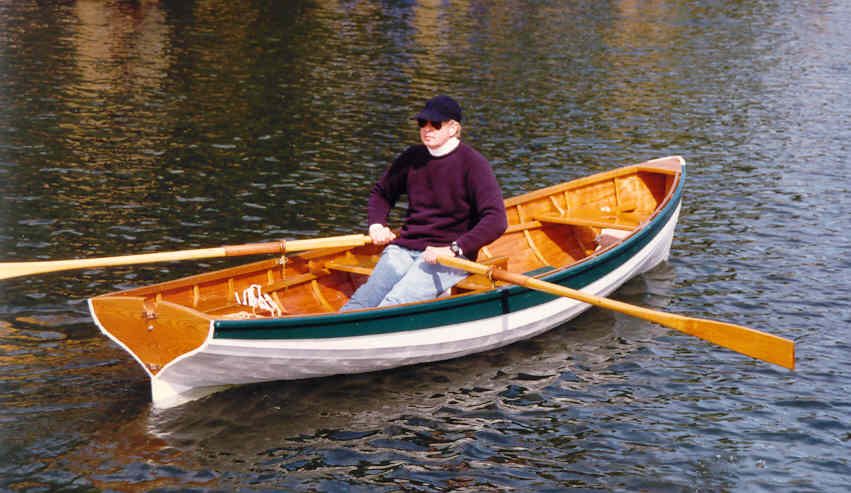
(130,127)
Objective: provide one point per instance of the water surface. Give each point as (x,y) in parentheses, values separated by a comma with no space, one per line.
(131,127)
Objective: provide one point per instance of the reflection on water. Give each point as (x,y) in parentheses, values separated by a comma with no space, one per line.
(419,420)
(128,127)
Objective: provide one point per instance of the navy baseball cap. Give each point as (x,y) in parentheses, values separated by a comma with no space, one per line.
(440,109)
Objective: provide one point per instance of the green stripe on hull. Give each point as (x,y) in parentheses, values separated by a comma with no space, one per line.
(451,310)
(394,319)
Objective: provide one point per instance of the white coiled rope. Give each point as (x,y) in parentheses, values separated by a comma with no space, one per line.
(254,297)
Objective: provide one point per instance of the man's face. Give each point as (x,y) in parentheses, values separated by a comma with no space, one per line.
(433,137)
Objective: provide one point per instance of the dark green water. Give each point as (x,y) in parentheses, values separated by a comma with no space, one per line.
(130,127)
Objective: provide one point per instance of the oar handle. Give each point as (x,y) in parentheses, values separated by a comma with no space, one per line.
(330,242)
(466,265)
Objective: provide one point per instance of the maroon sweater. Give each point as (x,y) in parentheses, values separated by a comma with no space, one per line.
(450,198)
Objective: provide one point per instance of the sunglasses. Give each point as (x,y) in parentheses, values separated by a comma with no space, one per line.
(435,125)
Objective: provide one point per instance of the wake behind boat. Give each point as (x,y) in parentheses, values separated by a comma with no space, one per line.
(278,319)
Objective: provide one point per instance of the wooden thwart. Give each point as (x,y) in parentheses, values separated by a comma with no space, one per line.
(580,221)
(354,269)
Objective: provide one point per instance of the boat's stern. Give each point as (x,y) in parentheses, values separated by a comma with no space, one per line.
(154,332)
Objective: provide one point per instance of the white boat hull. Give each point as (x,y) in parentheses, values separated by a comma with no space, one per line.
(220,363)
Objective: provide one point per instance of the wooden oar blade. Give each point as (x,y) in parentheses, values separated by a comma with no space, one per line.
(9,270)
(17,269)
(750,342)
(747,341)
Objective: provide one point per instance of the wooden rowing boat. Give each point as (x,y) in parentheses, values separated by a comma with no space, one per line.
(197,335)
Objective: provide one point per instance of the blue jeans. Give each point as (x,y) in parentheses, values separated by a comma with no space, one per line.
(402,276)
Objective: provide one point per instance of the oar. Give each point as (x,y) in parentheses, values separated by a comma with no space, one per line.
(16,269)
(750,342)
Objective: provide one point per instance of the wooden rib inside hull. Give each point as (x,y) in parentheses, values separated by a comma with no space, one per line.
(555,227)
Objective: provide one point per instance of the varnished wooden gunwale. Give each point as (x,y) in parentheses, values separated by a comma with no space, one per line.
(529,242)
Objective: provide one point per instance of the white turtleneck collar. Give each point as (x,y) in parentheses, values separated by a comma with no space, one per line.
(446,148)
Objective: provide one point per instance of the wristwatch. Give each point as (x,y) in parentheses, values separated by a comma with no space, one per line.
(456,250)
